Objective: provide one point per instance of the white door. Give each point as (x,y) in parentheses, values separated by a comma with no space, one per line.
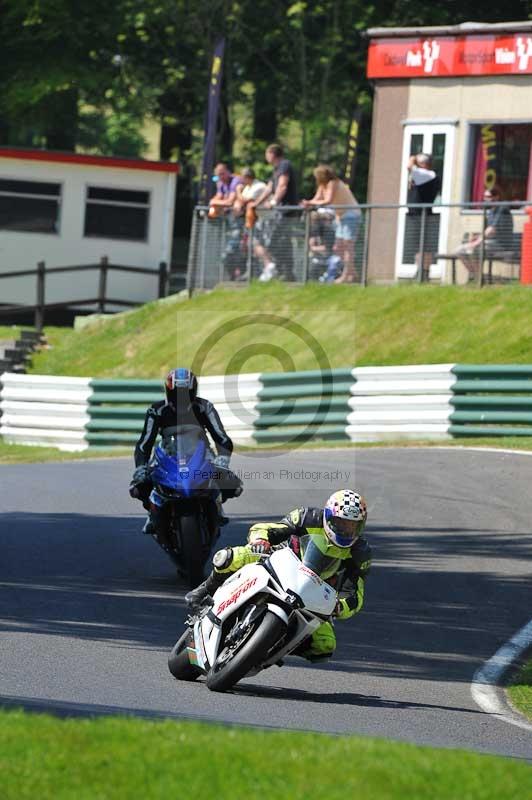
(438,141)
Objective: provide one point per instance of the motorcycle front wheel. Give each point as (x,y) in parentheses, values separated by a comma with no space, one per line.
(225,672)
(178,661)
(191,550)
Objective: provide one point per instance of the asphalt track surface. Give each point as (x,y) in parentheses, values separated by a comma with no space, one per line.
(89,607)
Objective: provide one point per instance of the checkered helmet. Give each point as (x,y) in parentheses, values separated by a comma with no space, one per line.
(344,517)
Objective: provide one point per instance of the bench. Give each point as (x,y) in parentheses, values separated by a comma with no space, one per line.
(508,256)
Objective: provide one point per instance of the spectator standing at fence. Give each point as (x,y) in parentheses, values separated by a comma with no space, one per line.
(423,187)
(282,191)
(497,236)
(226,188)
(331,191)
(224,204)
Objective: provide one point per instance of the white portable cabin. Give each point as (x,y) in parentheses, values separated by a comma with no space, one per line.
(69,209)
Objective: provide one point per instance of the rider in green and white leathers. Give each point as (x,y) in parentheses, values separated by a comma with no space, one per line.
(346,568)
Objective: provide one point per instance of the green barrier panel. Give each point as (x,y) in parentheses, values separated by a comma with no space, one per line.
(301,419)
(468,370)
(109,384)
(310,390)
(304,433)
(462,386)
(492,416)
(312,376)
(302,404)
(120,412)
(124,397)
(111,438)
(115,425)
(502,403)
(473,430)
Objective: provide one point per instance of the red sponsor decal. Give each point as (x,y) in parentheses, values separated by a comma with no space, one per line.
(446,56)
(236,594)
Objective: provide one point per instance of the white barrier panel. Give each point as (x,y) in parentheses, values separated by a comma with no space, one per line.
(376,432)
(230,388)
(400,402)
(44,410)
(418,379)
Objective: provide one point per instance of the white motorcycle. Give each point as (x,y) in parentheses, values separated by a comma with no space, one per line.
(260,614)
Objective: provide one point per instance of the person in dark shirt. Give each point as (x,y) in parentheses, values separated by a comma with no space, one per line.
(181,410)
(497,236)
(423,187)
(282,191)
(344,556)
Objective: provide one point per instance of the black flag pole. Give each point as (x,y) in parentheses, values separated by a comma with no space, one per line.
(211,122)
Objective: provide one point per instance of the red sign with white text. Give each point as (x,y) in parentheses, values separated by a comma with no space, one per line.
(445,56)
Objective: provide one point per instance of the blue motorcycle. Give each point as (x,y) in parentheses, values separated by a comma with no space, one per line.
(184,502)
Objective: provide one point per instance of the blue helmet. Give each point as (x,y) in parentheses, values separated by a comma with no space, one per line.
(181,387)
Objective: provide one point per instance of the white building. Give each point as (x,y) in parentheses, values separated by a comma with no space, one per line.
(68,209)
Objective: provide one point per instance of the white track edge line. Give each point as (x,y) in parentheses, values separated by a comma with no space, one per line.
(486,680)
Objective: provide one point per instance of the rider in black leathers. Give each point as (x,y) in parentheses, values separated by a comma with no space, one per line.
(182,407)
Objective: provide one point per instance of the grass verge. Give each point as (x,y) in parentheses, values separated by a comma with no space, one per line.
(379,325)
(109,758)
(520,692)
(26,454)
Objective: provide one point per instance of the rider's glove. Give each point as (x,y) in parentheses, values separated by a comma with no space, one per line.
(140,475)
(222,462)
(260,547)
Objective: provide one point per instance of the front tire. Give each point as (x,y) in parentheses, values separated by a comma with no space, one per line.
(254,650)
(178,661)
(191,546)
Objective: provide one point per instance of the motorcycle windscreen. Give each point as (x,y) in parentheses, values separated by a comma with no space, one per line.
(296,576)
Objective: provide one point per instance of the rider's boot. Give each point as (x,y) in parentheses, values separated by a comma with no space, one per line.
(149,528)
(202,594)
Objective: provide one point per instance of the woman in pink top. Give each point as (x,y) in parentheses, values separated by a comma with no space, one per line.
(331,191)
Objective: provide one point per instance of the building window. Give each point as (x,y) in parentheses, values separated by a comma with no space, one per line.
(117,213)
(29,206)
(501,155)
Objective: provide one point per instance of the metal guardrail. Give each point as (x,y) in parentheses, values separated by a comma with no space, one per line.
(101,301)
(303,244)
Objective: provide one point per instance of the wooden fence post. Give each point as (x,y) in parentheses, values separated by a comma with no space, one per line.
(163,278)
(102,288)
(40,298)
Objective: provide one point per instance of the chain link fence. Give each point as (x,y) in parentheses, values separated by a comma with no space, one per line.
(379,243)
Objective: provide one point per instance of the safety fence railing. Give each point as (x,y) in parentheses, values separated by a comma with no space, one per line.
(366,243)
(431,401)
(100,299)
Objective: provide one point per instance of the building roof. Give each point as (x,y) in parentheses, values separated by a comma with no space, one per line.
(30,154)
(464,29)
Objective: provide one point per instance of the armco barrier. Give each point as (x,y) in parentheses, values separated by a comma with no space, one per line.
(297,406)
(365,403)
(44,410)
(117,407)
(400,402)
(492,400)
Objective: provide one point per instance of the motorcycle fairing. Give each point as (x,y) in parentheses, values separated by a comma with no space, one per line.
(184,476)
(317,596)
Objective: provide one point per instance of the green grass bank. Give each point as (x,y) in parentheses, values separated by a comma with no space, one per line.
(222,331)
(110,758)
(520,692)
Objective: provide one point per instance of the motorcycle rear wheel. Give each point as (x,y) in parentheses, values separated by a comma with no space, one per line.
(269,630)
(178,661)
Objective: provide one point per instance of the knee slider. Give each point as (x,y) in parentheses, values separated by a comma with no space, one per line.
(222,558)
